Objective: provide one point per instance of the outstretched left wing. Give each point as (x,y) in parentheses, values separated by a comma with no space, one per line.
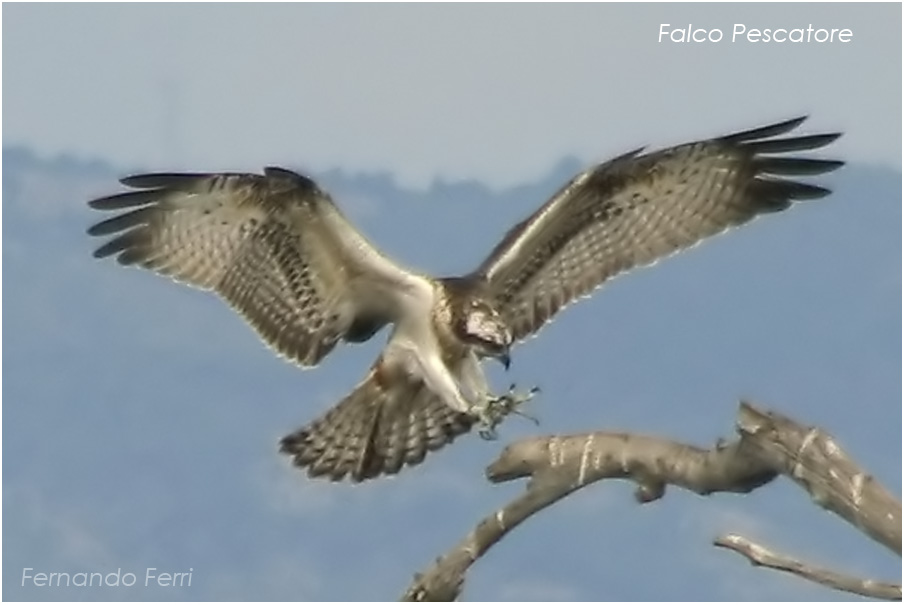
(273,246)
(635,209)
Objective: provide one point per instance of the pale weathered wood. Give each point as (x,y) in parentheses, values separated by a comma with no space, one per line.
(816,462)
(769,444)
(764,557)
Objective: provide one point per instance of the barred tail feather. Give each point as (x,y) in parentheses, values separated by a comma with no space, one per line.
(376,430)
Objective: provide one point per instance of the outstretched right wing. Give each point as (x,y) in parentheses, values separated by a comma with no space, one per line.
(638,208)
(274,246)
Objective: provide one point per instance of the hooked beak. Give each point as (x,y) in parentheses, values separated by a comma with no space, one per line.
(504,358)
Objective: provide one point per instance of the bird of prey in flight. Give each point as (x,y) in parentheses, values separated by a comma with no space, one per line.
(279,251)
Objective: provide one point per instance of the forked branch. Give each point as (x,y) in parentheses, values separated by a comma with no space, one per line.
(769,444)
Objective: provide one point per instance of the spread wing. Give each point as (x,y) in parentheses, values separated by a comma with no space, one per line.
(274,246)
(635,209)
(384,424)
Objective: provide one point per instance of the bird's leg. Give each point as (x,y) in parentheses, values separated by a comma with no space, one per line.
(441,382)
(496,407)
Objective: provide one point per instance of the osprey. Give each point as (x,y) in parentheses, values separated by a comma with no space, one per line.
(280,252)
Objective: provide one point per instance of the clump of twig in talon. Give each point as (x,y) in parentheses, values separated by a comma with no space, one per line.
(501,406)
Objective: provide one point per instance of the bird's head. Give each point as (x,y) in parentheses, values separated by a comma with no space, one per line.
(481,326)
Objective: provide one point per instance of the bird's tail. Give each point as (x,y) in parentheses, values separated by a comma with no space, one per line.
(375,430)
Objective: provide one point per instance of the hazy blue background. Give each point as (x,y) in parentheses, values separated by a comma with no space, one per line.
(141,418)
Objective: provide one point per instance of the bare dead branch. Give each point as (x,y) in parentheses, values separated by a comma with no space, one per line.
(443,581)
(813,459)
(762,556)
(560,465)
(769,444)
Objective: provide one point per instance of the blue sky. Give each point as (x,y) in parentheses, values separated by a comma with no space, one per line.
(494,92)
(141,418)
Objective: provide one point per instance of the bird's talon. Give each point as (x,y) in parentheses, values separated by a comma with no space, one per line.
(497,407)
(488,434)
(528,416)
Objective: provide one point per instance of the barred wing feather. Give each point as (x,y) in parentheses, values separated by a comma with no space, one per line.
(635,209)
(274,246)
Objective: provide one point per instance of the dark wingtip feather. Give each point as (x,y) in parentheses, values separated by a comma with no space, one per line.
(280,172)
(120,222)
(778,191)
(825,139)
(763,132)
(163,180)
(290,178)
(795,166)
(97,229)
(112,247)
(119,201)
(290,444)
(804,143)
(805,191)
